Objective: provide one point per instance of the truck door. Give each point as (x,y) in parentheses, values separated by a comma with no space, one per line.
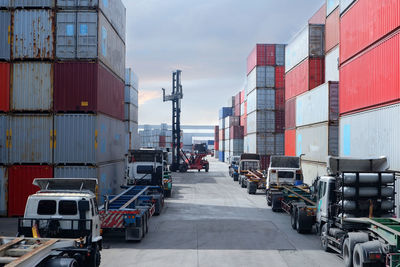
(322,203)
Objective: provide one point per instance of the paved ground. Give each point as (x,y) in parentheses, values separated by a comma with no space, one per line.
(211,221)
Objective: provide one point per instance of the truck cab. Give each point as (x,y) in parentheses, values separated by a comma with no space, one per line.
(248,162)
(284,170)
(234,167)
(64,208)
(145,167)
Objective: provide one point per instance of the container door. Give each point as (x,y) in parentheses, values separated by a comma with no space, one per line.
(4,139)
(87,35)
(66,35)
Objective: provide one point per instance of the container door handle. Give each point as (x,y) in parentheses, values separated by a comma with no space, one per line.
(95,139)
(54,139)
(51,139)
(10,139)
(6,138)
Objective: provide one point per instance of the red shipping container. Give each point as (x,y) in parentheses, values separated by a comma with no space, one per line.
(237,99)
(306,76)
(319,16)
(332,30)
(236,132)
(280,99)
(242,96)
(365,23)
(216,134)
(264,162)
(290,114)
(221,135)
(216,145)
(280,77)
(4,86)
(262,55)
(290,142)
(371,79)
(87,87)
(237,110)
(20,185)
(244,125)
(162,142)
(245,108)
(279,121)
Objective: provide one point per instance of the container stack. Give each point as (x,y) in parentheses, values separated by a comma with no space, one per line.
(265,104)
(370,80)
(131,105)
(223,140)
(236,142)
(216,141)
(61,90)
(159,138)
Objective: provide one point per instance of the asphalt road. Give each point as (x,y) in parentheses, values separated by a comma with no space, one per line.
(211,221)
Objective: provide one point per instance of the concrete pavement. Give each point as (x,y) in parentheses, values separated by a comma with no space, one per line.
(211,221)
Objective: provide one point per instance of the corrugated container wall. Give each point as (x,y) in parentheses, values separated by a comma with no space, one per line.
(262,55)
(33,3)
(316,142)
(372,133)
(290,142)
(87,87)
(309,42)
(5,3)
(345,4)
(20,185)
(280,55)
(280,99)
(372,78)
(32,139)
(96,39)
(332,31)
(261,77)
(88,138)
(261,143)
(318,105)
(261,99)
(5,29)
(4,134)
(32,86)
(280,77)
(331,5)
(365,23)
(3,190)
(319,16)
(131,78)
(290,114)
(306,76)
(131,113)
(33,34)
(4,86)
(131,95)
(261,122)
(312,170)
(224,112)
(332,65)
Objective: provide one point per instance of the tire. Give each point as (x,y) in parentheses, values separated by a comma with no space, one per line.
(324,238)
(267,196)
(235,177)
(183,168)
(240,180)
(362,251)
(95,257)
(349,244)
(62,262)
(207,167)
(303,222)
(243,185)
(167,193)
(251,188)
(276,203)
(293,218)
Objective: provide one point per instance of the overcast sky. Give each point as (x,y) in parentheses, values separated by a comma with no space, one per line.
(209,40)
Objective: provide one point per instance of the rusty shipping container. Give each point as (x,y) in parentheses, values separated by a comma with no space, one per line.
(33,3)
(5,31)
(305,76)
(365,23)
(32,86)
(332,32)
(31,139)
(4,86)
(371,79)
(20,185)
(33,34)
(4,139)
(88,35)
(87,87)
(89,139)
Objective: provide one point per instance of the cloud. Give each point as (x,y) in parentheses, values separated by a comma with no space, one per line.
(146,96)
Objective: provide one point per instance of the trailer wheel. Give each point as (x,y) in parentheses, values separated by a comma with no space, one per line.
(293,218)
(349,244)
(268,197)
(61,262)
(303,222)
(235,177)
(252,188)
(362,252)
(243,185)
(240,180)
(324,238)
(276,203)
(207,167)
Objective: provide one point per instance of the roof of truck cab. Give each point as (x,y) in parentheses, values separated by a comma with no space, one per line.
(63,194)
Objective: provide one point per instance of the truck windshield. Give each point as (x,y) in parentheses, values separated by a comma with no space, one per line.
(249,165)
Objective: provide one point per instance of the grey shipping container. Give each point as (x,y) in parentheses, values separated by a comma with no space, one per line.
(261,76)
(262,121)
(317,142)
(4,134)
(261,143)
(261,99)
(131,113)
(88,139)
(34,3)
(110,176)
(3,190)
(131,95)
(31,139)
(5,3)
(280,54)
(131,78)
(5,31)
(88,35)
(32,86)
(33,31)
(114,10)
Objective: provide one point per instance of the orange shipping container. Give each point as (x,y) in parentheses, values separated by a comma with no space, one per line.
(290,142)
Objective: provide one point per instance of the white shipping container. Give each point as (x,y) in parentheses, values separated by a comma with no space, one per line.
(318,105)
(317,142)
(261,144)
(331,5)
(345,4)
(226,145)
(308,42)
(226,123)
(332,65)
(236,146)
(312,170)
(372,133)
(221,145)
(261,99)
(227,134)
(242,109)
(221,124)
(261,76)
(261,122)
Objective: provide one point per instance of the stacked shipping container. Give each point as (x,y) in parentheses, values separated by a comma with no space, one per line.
(370,80)
(223,151)
(60,59)
(265,100)
(131,108)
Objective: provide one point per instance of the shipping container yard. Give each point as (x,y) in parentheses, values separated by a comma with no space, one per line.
(275,143)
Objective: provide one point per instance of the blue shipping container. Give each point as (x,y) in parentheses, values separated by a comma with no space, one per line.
(225,112)
(221,156)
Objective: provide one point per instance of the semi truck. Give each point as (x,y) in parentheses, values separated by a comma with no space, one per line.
(352,208)
(234,167)
(248,162)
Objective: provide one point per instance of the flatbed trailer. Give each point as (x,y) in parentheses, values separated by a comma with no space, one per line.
(254,180)
(30,252)
(131,210)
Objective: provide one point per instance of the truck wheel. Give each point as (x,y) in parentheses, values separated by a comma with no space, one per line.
(251,188)
(276,203)
(349,244)
(240,180)
(268,197)
(95,257)
(293,218)
(207,167)
(235,177)
(303,222)
(362,252)
(324,238)
(143,226)
(243,185)
(62,262)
